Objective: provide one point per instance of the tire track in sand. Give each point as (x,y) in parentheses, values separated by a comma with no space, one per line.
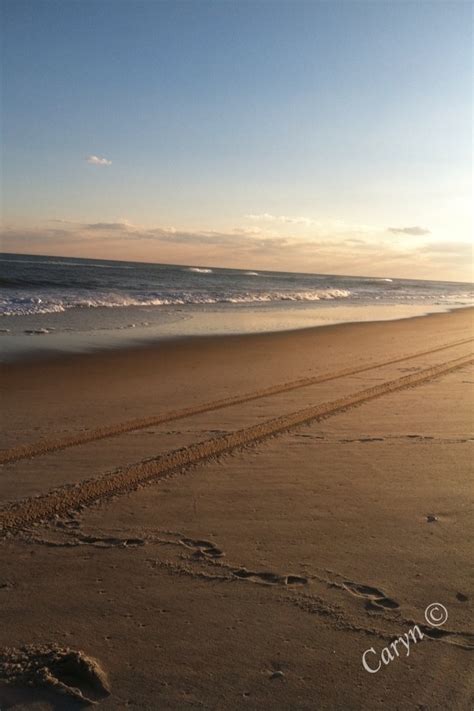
(47,445)
(60,501)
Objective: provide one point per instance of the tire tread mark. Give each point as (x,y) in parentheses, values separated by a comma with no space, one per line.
(47,445)
(62,500)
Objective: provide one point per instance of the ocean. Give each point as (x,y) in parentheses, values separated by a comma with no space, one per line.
(83,303)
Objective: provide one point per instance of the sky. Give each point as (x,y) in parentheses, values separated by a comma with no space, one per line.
(328,137)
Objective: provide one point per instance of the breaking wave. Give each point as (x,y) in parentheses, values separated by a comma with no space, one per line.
(33,286)
(23,305)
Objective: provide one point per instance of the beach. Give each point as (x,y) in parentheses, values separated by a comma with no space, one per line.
(241,521)
(236,356)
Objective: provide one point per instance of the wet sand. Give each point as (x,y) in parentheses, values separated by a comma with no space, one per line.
(232,522)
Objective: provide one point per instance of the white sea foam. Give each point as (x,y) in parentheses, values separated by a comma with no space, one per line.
(50,288)
(38,331)
(320,295)
(49,303)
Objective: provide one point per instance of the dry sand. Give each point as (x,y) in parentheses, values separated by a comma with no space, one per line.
(229,523)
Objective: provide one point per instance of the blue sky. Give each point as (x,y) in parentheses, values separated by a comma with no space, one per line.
(325,136)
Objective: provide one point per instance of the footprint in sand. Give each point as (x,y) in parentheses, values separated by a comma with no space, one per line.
(66,671)
(110,542)
(268,578)
(465,640)
(375,598)
(202,549)
(206,549)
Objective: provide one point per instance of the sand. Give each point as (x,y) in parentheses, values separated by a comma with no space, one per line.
(230,523)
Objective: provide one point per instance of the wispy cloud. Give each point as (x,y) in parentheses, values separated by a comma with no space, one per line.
(98,160)
(345,254)
(266,217)
(120,226)
(413,231)
(329,227)
(464,250)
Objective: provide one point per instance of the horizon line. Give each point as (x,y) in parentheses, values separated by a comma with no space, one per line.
(245,269)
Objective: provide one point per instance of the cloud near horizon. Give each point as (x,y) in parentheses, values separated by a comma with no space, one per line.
(98,160)
(414,231)
(348,252)
(323,225)
(266,217)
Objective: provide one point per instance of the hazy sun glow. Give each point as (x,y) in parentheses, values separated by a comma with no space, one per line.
(326,137)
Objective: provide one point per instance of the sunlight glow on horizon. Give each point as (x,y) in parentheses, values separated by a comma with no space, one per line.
(299,136)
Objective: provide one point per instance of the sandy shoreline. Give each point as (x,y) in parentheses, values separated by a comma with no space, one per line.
(254,570)
(47,336)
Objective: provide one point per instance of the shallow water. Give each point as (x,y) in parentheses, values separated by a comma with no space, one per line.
(59,304)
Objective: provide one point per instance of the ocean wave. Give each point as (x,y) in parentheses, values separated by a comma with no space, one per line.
(320,295)
(199,270)
(48,304)
(38,331)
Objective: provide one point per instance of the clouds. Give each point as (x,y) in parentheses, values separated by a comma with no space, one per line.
(413,231)
(449,252)
(120,226)
(321,226)
(318,251)
(266,217)
(98,160)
